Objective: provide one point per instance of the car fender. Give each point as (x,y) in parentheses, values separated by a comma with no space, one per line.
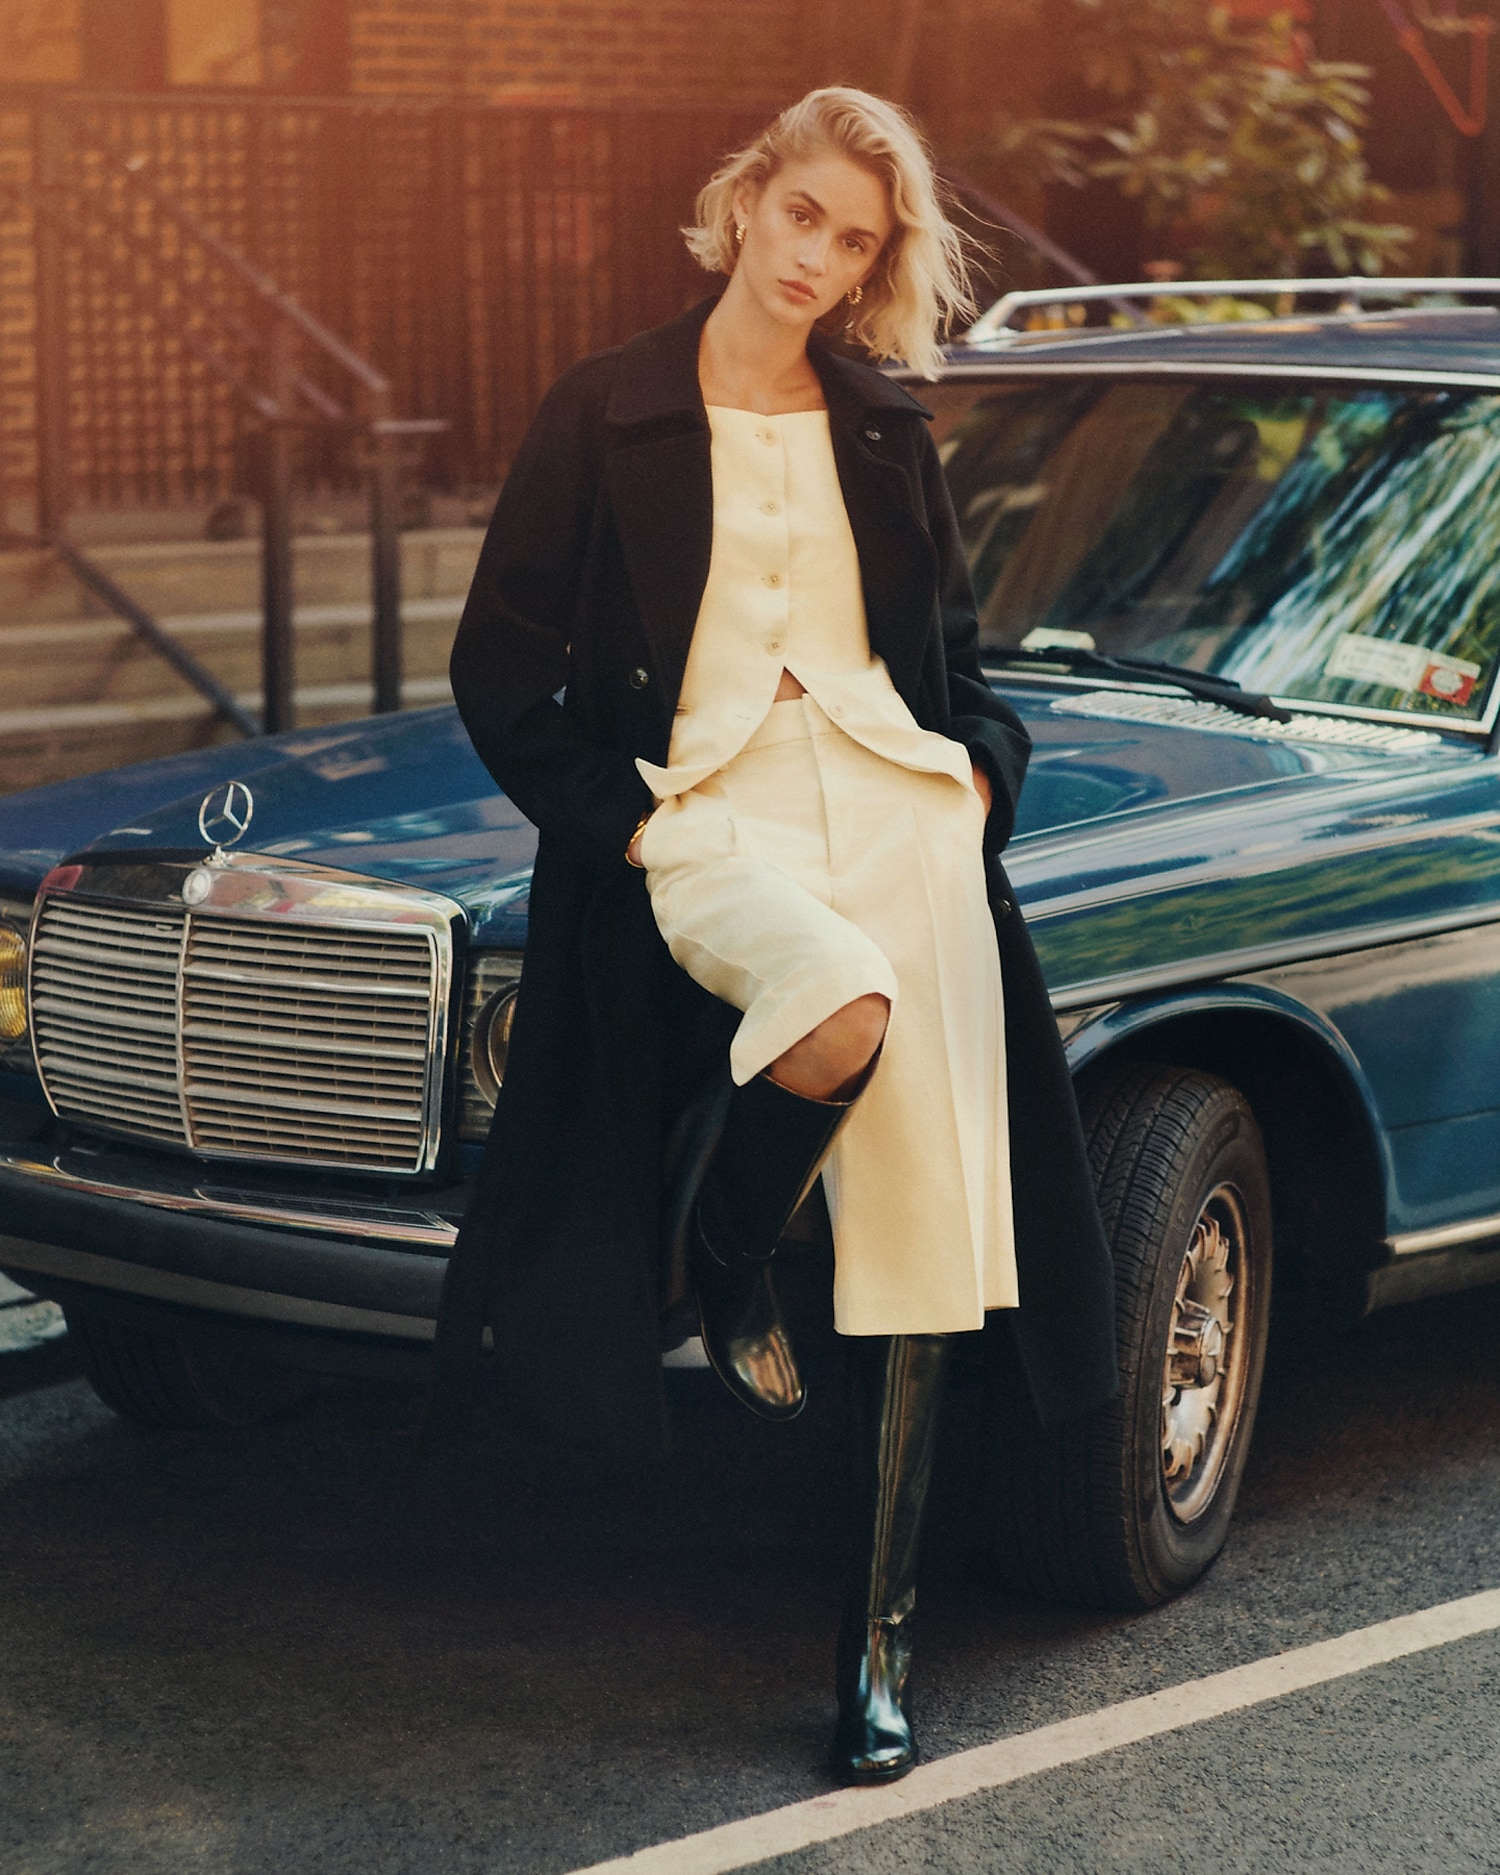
(1186,1019)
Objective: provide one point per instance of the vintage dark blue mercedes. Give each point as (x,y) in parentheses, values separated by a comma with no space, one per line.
(1243,583)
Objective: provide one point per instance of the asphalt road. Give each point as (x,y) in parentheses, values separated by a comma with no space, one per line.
(286,1650)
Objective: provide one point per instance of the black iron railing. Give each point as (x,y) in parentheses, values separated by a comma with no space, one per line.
(464,255)
(174,269)
(468,253)
(224,321)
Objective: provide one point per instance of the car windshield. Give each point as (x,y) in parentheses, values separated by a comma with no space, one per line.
(1334,545)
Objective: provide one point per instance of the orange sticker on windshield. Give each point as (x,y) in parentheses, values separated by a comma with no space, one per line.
(1450,680)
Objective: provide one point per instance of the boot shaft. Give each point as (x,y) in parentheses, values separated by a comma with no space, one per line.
(771,1151)
(895,1384)
(895,1391)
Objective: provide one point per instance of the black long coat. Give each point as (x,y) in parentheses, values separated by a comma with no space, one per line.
(589,584)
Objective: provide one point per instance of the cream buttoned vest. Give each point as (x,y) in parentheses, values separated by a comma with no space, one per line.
(783,592)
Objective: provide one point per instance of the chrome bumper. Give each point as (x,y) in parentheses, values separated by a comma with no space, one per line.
(323,1263)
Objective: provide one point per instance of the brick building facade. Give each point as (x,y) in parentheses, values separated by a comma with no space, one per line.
(475,191)
(955,61)
(578,51)
(470,192)
(952,61)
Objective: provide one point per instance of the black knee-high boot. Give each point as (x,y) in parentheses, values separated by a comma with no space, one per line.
(896,1383)
(754,1156)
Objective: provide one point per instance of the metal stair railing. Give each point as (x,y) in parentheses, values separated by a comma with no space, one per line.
(90,574)
(236,322)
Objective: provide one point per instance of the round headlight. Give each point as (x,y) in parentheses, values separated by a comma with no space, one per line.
(490,1043)
(12,984)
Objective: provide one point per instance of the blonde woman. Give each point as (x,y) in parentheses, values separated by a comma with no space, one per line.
(769,934)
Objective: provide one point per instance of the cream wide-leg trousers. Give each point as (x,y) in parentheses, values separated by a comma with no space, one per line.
(807,872)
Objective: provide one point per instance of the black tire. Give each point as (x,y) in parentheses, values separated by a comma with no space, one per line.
(155,1380)
(1130,1505)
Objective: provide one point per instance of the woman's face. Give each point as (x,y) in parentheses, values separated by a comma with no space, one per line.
(812,232)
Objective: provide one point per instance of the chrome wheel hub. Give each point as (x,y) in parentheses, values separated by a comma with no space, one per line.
(1203,1380)
(1197,1346)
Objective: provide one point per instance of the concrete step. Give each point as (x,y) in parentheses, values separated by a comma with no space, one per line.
(187,578)
(78,661)
(83,692)
(55,744)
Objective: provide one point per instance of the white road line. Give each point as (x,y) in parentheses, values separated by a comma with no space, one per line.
(841,1813)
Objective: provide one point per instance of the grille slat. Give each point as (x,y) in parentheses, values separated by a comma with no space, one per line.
(127,1020)
(137,1066)
(290,1010)
(287,980)
(104,1012)
(299,1041)
(247,1102)
(207,1035)
(68,984)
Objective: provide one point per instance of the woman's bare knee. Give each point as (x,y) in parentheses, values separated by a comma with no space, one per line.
(836,1051)
(860,1028)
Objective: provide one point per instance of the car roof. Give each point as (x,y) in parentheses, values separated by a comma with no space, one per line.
(1423,344)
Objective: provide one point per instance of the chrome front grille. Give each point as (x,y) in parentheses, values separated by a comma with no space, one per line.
(311,1034)
(307,1043)
(104,1014)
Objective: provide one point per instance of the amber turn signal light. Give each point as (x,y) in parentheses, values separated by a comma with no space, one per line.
(12,984)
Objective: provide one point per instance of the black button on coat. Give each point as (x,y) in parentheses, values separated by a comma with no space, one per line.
(588,585)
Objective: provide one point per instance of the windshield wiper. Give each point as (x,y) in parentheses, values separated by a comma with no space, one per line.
(1221,690)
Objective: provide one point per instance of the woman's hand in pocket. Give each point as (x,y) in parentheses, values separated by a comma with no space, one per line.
(633,851)
(982,787)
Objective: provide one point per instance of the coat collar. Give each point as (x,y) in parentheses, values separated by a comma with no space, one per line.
(658,378)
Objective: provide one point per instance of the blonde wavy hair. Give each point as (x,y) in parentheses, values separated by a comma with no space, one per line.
(920,282)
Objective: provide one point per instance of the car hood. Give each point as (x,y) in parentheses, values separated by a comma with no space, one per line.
(405,798)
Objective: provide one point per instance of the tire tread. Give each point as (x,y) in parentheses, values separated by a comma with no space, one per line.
(1065,1527)
(137,1374)
(155,1381)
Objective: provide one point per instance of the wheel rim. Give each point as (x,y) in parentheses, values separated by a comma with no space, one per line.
(1203,1377)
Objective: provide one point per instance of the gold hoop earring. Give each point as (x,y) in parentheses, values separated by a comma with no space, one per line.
(739,234)
(855,294)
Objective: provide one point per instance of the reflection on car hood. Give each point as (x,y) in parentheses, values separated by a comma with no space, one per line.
(405,798)
(1099,751)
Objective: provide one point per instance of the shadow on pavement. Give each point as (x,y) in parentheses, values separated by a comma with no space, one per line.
(24,1370)
(295,1647)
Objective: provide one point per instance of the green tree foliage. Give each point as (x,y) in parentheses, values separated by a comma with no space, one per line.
(1243,150)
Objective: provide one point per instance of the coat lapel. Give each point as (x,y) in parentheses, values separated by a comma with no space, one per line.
(660,482)
(897,560)
(662,494)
